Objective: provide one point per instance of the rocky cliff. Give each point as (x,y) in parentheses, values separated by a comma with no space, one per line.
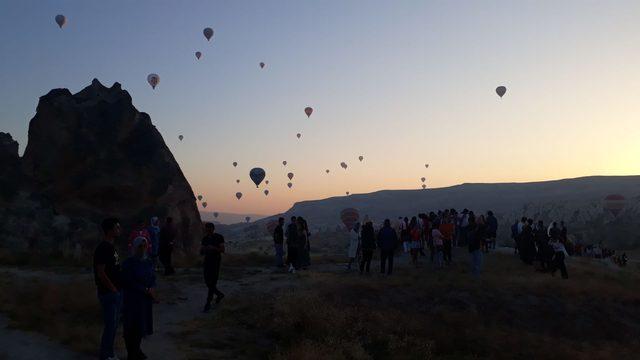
(89,156)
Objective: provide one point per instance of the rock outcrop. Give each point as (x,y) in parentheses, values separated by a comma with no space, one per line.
(89,156)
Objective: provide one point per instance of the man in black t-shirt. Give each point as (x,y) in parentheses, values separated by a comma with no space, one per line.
(106,270)
(212,247)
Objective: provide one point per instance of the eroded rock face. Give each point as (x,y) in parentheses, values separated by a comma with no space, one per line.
(92,155)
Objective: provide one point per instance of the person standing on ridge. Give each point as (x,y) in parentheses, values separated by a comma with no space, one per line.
(212,248)
(278,242)
(387,242)
(108,277)
(167,237)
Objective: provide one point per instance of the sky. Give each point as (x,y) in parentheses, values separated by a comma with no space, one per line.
(402,83)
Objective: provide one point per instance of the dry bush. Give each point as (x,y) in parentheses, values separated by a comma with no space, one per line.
(64,311)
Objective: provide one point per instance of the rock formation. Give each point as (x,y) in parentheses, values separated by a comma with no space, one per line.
(91,155)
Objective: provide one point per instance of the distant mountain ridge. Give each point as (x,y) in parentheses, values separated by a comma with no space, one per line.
(577,201)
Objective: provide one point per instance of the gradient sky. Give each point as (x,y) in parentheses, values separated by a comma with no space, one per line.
(402,83)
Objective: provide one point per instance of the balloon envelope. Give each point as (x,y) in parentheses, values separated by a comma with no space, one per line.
(215,214)
(423,179)
(153,80)
(266,192)
(290,176)
(327,171)
(61,20)
(426,165)
(204,204)
(289,185)
(308,110)
(235,164)
(266,182)
(299,135)
(237,181)
(180,137)
(257,175)
(199,197)
(198,55)
(424,186)
(501,90)
(208,33)
(614,203)
(343,165)
(349,217)
(284,163)
(238,195)
(247,219)
(360,157)
(261,65)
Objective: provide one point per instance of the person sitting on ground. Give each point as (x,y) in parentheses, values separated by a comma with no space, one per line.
(138,284)
(368,244)
(212,248)
(387,242)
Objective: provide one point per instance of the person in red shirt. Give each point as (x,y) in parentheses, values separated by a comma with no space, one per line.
(447,229)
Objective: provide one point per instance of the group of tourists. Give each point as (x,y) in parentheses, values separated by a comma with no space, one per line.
(127,290)
(437,231)
(546,246)
(297,237)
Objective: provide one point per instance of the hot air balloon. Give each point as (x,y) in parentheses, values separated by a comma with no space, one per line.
(349,217)
(180,137)
(327,171)
(347,193)
(235,164)
(266,192)
(238,195)
(424,186)
(215,215)
(308,110)
(153,80)
(208,33)
(289,185)
(614,203)
(257,175)
(261,65)
(61,20)
(423,179)
(343,165)
(247,218)
(199,197)
(237,181)
(198,55)
(299,135)
(501,90)
(284,163)
(266,182)
(426,165)
(290,176)
(204,204)
(361,158)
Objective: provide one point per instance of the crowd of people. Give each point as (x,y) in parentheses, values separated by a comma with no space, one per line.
(297,237)
(546,246)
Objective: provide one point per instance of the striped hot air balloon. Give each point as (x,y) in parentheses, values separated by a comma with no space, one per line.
(614,203)
(349,217)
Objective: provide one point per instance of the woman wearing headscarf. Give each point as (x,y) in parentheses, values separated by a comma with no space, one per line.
(138,287)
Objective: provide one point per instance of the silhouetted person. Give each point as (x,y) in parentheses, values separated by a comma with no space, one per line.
(368,244)
(387,242)
(292,245)
(354,244)
(212,248)
(492,229)
(559,252)
(165,251)
(474,244)
(304,241)
(138,287)
(527,244)
(154,240)
(278,242)
(108,278)
(448,233)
